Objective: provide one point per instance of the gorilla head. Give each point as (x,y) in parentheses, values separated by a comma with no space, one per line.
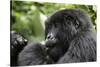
(62,27)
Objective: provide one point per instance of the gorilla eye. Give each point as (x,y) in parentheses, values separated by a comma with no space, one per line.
(68,19)
(56,24)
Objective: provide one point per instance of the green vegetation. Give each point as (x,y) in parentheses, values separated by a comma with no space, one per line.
(27,17)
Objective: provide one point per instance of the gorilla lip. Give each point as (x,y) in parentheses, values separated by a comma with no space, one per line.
(50,43)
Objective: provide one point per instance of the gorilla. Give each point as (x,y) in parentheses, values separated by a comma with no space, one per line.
(69,38)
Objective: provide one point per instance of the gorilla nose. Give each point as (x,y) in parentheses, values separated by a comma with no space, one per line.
(50,37)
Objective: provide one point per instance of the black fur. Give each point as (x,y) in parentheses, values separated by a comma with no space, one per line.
(18,42)
(69,38)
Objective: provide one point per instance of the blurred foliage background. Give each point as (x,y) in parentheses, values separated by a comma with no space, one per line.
(28,17)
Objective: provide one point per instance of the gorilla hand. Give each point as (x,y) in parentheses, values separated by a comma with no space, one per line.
(17,44)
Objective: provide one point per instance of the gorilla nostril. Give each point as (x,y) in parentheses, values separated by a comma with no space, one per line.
(50,37)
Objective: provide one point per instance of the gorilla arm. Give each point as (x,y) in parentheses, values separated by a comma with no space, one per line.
(33,54)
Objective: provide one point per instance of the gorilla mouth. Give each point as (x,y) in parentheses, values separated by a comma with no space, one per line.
(50,43)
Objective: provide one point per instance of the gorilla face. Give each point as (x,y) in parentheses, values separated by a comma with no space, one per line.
(56,30)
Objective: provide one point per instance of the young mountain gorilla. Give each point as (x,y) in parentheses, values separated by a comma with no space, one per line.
(69,38)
